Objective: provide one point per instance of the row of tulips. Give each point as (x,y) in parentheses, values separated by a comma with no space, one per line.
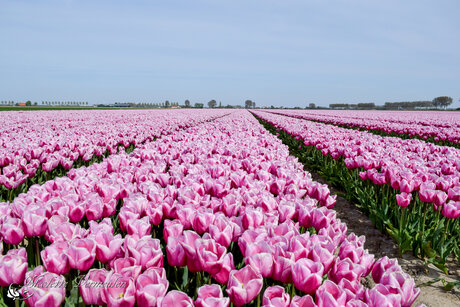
(441,128)
(213,215)
(409,188)
(38,146)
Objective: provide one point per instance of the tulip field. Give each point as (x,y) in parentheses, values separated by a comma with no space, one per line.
(209,208)
(36,146)
(442,128)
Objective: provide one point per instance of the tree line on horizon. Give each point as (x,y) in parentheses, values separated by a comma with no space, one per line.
(436,103)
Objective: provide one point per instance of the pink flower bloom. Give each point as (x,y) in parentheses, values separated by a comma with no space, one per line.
(12,231)
(244,285)
(275,297)
(188,244)
(345,268)
(210,254)
(151,286)
(227,266)
(304,301)
(211,296)
(175,298)
(126,267)
(43,288)
(91,289)
(55,259)
(175,253)
(329,294)
(81,254)
(381,296)
(382,266)
(13,267)
(140,227)
(451,209)
(172,228)
(262,262)
(402,283)
(221,231)
(34,221)
(201,221)
(307,275)
(107,245)
(403,199)
(322,255)
(120,291)
(145,250)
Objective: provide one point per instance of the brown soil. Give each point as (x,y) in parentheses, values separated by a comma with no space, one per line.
(382,245)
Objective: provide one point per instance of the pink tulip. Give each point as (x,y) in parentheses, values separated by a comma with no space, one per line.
(381,296)
(55,259)
(139,227)
(201,221)
(262,262)
(329,294)
(91,289)
(151,286)
(107,245)
(403,199)
(227,266)
(172,228)
(451,209)
(382,266)
(154,213)
(120,290)
(222,232)
(402,283)
(454,193)
(127,267)
(252,219)
(12,231)
(175,252)
(275,297)
(34,221)
(175,298)
(211,296)
(244,285)
(188,244)
(307,275)
(345,268)
(210,254)
(353,289)
(304,301)
(13,267)
(145,250)
(282,268)
(43,288)
(322,255)
(81,254)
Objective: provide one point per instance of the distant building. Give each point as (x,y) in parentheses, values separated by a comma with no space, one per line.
(21,104)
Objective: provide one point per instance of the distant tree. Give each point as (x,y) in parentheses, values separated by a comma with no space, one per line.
(199,105)
(167,104)
(28,103)
(220,104)
(212,103)
(442,101)
(248,104)
(35,103)
(312,106)
(366,106)
(187,103)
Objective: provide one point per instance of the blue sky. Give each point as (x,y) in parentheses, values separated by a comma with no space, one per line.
(283,53)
